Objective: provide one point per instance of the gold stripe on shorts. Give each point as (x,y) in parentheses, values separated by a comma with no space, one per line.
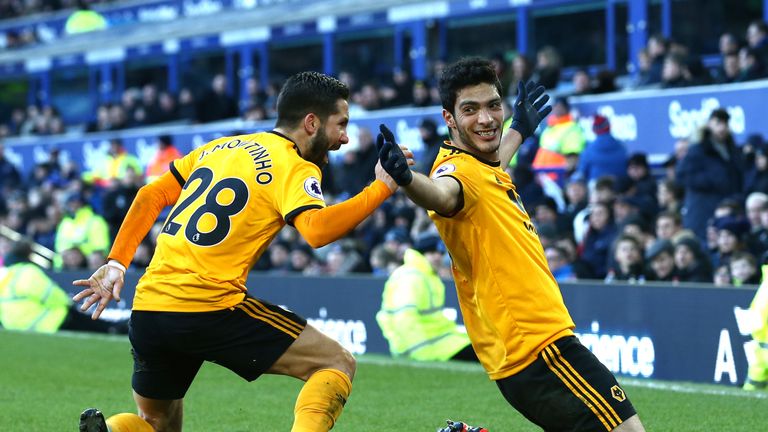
(578,386)
(266,311)
(251,311)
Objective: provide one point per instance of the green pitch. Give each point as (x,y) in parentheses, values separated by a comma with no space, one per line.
(47,381)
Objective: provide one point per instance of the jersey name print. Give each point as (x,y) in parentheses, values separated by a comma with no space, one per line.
(237,193)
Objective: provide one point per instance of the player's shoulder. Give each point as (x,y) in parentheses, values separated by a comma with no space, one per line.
(451,159)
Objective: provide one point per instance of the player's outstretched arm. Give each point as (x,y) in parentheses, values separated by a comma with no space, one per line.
(527,112)
(442,194)
(322,226)
(105,284)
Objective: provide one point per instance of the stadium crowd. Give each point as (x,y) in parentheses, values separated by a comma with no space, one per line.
(604,215)
(663,63)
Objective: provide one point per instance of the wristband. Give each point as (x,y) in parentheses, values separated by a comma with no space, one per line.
(116,264)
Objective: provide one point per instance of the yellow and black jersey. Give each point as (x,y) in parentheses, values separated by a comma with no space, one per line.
(237,193)
(511,305)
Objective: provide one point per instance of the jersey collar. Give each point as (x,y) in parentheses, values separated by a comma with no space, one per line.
(452,148)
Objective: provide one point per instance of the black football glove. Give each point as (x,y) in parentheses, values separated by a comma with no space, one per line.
(392,158)
(529,110)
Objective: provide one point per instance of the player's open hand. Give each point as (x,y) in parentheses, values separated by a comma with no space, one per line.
(394,159)
(529,108)
(103,285)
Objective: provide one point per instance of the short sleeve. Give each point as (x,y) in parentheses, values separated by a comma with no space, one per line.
(461,172)
(300,191)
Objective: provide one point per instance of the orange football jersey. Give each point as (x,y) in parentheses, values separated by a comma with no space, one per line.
(238,192)
(511,305)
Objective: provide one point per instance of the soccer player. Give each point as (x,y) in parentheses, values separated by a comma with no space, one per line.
(231,197)
(512,307)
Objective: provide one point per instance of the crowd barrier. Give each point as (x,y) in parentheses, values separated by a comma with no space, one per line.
(680,333)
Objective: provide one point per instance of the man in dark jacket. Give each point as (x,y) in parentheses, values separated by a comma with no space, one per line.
(711,171)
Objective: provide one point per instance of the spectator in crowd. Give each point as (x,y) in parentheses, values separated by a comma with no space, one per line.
(187,106)
(582,83)
(757,374)
(728,44)
(548,65)
(605,155)
(9,174)
(690,260)
(355,170)
(660,259)
(411,315)
(668,225)
(701,172)
(658,47)
(743,268)
(345,257)
(166,104)
(757,39)
(751,65)
(598,240)
(522,70)
(216,103)
(399,91)
(432,141)
(730,69)
(117,199)
(72,259)
(279,256)
(557,260)
(627,260)
(756,171)
(421,96)
(669,196)
(639,185)
(722,276)
(561,137)
(730,231)
(605,82)
(114,167)
(32,301)
(576,199)
(581,268)
(382,261)
(165,154)
(80,228)
(755,203)
(676,72)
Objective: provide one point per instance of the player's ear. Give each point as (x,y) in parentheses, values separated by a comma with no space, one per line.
(311,123)
(448,117)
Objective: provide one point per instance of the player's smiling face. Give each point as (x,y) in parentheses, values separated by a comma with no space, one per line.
(477,120)
(331,135)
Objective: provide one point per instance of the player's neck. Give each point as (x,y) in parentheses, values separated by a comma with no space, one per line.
(301,143)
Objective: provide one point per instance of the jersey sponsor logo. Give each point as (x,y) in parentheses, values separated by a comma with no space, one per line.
(312,188)
(444,169)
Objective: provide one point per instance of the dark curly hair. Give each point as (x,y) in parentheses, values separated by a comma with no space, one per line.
(464,73)
(309,92)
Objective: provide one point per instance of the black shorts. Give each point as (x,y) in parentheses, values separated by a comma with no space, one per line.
(568,389)
(169,347)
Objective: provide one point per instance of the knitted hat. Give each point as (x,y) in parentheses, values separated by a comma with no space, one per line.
(601,125)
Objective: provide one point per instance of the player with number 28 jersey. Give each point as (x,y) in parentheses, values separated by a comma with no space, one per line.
(236,194)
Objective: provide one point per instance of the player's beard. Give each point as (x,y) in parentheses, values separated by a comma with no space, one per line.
(317,151)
